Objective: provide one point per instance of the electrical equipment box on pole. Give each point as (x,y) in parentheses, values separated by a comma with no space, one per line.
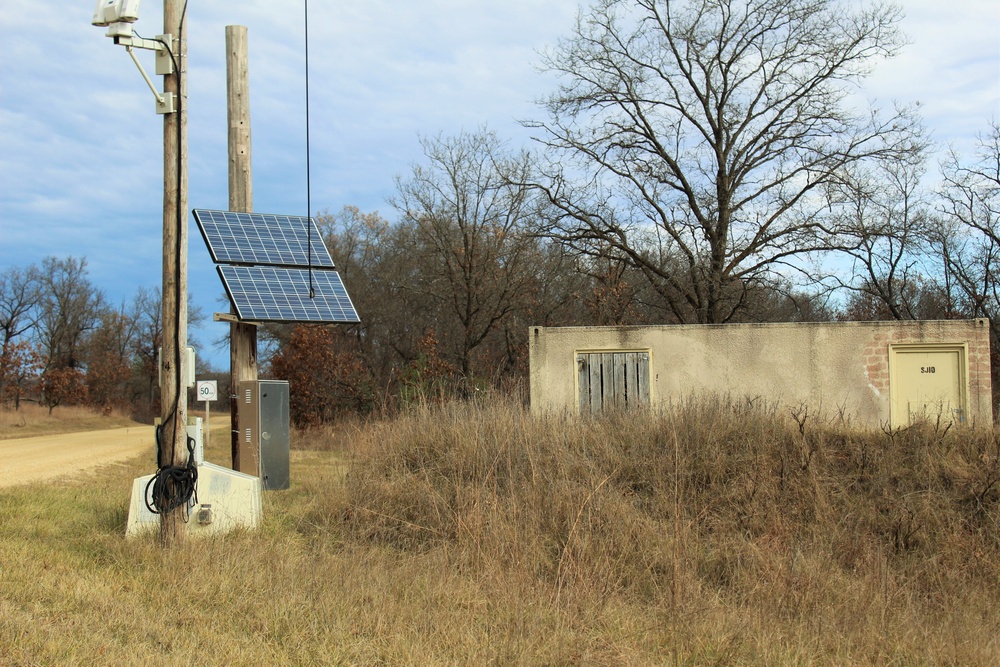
(264,438)
(187,363)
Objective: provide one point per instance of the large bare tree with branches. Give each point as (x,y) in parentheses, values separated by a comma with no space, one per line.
(470,223)
(892,273)
(968,234)
(696,140)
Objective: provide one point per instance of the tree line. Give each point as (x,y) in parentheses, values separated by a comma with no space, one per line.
(62,342)
(704,161)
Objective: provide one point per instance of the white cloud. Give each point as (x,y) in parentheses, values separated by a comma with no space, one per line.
(951,67)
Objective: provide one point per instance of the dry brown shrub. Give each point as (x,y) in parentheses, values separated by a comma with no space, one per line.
(711,502)
(720,531)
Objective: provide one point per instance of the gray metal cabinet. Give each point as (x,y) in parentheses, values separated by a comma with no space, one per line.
(264,429)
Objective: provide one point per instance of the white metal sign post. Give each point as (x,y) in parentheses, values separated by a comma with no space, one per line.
(208,391)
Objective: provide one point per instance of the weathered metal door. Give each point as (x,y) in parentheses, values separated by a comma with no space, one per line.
(927,383)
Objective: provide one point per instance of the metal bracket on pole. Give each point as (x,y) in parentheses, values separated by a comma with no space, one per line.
(165,102)
(232,319)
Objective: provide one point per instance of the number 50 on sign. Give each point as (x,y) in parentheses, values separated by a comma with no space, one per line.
(207,390)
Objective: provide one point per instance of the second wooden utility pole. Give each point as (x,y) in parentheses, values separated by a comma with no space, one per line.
(242,335)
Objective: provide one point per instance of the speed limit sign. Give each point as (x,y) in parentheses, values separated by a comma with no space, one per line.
(207,390)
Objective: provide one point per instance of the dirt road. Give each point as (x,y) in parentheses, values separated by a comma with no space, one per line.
(24,460)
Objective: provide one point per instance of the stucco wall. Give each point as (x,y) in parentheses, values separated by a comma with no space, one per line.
(829,365)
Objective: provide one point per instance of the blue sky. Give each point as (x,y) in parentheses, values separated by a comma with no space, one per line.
(81,146)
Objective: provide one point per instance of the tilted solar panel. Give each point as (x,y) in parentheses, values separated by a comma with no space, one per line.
(262,239)
(276,294)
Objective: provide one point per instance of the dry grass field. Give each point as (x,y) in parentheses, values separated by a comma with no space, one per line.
(718,533)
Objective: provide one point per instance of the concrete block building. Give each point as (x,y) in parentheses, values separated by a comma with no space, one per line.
(878,373)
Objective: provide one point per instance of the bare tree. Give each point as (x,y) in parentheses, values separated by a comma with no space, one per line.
(471,224)
(968,235)
(612,296)
(146,305)
(694,139)
(69,306)
(145,315)
(376,266)
(18,299)
(389,271)
(885,210)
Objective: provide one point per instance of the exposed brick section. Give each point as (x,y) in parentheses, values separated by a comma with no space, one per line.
(980,380)
(876,358)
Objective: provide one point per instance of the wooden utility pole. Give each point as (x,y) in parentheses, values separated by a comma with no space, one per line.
(173,380)
(242,336)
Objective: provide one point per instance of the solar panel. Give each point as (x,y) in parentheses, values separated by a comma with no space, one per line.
(276,294)
(261,238)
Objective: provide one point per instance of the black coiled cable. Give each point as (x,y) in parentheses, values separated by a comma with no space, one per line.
(172,486)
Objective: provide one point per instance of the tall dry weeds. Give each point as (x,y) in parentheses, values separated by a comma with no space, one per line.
(720,531)
(711,506)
